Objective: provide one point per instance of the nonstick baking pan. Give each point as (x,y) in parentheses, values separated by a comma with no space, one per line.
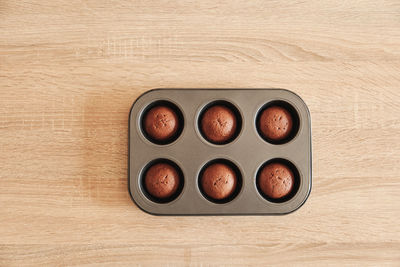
(190,152)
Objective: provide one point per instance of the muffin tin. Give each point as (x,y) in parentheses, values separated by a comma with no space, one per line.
(247,152)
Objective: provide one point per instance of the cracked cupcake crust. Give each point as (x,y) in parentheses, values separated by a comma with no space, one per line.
(275,123)
(218,181)
(218,124)
(161,123)
(276,180)
(162,180)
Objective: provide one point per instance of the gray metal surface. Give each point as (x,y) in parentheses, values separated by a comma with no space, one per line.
(191,151)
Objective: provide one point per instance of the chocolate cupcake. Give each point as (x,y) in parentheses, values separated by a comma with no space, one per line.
(275,123)
(218,181)
(276,180)
(162,180)
(218,124)
(161,123)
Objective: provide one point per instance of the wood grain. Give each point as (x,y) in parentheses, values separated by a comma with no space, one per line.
(70,70)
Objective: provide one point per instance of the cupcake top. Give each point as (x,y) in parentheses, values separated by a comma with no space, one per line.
(218,181)
(218,124)
(276,180)
(275,123)
(161,123)
(162,180)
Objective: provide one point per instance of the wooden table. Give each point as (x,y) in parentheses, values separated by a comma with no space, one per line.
(70,70)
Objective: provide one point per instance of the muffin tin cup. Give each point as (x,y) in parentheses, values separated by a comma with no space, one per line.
(248,151)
